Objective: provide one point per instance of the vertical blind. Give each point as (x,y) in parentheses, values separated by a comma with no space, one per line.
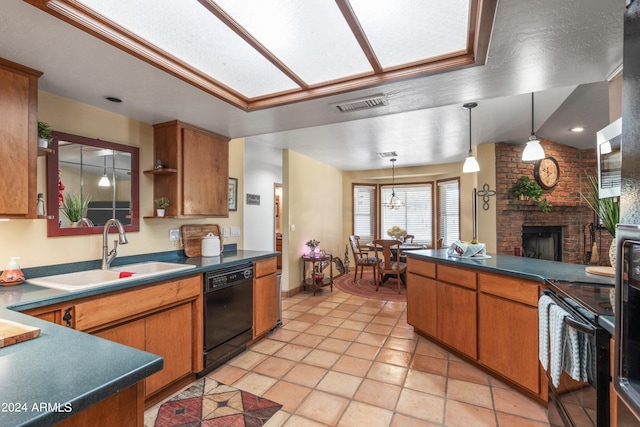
(364,211)
(416,212)
(449,211)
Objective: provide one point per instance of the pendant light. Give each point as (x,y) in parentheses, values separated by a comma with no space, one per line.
(470,163)
(532,150)
(394,202)
(104,181)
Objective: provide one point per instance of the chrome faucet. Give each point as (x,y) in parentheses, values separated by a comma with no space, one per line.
(108,257)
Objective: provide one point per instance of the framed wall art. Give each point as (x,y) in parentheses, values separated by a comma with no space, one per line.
(233,194)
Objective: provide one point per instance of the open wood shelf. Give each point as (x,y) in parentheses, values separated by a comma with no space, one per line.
(160,171)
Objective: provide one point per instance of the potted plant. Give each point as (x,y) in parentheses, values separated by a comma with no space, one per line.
(162,203)
(607,209)
(74,207)
(44,134)
(525,189)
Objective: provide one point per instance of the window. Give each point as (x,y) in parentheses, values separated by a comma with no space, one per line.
(364,211)
(416,214)
(449,211)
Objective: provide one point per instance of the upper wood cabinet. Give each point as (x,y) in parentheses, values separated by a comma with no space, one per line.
(196,173)
(18,140)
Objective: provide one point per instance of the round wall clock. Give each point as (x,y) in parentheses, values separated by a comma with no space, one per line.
(546,172)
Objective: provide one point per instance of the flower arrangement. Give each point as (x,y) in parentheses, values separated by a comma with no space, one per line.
(162,202)
(313,244)
(396,232)
(526,188)
(607,209)
(74,206)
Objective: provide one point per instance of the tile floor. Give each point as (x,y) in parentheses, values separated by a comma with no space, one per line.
(342,360)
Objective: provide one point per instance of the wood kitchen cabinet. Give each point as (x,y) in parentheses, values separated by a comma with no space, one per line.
(508,328)
(265,297)
(421,297)
(163,318)
(196,173)
(18,145)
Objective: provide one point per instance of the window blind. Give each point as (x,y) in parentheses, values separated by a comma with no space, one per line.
(449,211)
(416,214)
(364,211)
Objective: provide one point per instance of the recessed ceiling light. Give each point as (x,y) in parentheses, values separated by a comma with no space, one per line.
(577,129)
(113,99)
(387,154)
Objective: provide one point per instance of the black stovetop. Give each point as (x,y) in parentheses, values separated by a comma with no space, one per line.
(591,298)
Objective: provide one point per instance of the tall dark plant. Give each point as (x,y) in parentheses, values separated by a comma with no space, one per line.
(607,209)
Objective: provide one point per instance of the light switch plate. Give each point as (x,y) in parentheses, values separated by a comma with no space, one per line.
(174,235)
(235,231)
(225,231)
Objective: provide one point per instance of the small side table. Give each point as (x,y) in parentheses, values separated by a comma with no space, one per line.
(310,282)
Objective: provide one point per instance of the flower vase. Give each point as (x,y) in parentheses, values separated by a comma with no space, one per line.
(160,212)
(613,254)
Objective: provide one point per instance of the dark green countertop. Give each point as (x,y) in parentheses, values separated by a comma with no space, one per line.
(70,368)
(527,268)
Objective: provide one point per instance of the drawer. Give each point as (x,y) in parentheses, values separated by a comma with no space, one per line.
(264,267)
(423,268)
(127,305)
(511,288)
(457,276)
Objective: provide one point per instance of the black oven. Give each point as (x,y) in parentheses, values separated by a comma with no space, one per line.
(626,375)
(583,401)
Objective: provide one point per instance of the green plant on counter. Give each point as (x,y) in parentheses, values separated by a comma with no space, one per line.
(525,188)
(162,202)
(74,206)
(607,209)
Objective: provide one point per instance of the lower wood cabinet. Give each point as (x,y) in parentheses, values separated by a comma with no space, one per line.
(457,318)
(163,318)
(421,304)
(265,297)
(508,339)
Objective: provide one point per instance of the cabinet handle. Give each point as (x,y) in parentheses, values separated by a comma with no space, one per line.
(67,316)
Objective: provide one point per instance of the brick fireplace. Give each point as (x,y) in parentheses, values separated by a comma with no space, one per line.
(568,211)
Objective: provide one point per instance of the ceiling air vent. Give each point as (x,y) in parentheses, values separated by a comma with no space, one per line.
(387,154)
(362,103)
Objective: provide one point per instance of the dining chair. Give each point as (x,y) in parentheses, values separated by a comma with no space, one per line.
(361,257)
(386,264)
(409,238)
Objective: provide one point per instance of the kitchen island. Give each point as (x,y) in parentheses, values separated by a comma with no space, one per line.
(485,310)
(64,372)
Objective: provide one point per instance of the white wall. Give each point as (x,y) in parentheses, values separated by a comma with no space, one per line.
(262,169)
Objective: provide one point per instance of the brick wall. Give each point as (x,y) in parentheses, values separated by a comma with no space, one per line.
(568,210)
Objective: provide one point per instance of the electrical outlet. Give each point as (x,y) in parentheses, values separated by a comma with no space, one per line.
(235,231)
(174,235)
(225,231)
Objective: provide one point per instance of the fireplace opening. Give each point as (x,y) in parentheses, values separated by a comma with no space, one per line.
(542,242)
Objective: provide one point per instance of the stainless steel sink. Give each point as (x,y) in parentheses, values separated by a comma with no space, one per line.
(95,278)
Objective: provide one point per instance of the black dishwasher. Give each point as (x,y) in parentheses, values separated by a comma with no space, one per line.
(228,314)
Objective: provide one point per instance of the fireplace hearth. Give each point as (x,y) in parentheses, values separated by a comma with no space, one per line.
(542,242)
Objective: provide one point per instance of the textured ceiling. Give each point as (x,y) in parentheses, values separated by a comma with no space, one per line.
(552,48)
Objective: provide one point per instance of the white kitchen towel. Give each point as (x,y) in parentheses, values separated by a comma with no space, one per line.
(557,332)
(543,330)
(573,354)
(467,250)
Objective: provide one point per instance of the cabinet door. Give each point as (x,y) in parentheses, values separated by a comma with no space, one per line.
(457,312)
(265,304)
(205,173)
(421,303)
(18,92)
(169,334)
(508,339)
(130,334)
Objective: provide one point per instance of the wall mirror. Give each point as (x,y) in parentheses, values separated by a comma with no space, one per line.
(102,176)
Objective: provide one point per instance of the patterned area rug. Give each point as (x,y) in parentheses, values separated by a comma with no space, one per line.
(208,403)
(366,287)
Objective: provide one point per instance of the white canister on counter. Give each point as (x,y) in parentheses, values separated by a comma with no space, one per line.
(210,245)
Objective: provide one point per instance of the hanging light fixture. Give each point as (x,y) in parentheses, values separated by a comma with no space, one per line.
(394,202)
(104,181)
(533,150)
(470,163)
